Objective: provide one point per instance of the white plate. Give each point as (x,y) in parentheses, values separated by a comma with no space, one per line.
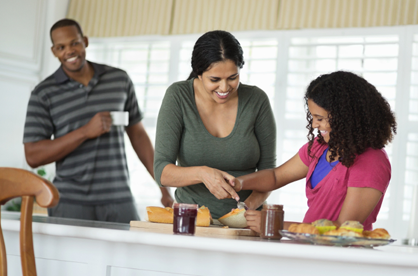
(334,240)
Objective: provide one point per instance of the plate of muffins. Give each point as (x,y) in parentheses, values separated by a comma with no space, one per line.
(324,232)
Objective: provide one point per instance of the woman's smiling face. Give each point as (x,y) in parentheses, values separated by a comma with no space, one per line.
(320,119)
(221,81)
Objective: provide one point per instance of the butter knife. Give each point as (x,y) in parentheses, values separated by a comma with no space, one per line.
(242,205)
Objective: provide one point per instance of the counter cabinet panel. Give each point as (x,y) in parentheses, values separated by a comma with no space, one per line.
(73,249)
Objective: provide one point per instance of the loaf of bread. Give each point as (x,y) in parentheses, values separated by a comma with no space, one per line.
(343,232)
(159,214)
(303,228)
(378,233)
(165,215)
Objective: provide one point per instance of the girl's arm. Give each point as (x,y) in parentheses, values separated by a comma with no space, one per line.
(368,179)
(271,179)
(358,204)
(265,131)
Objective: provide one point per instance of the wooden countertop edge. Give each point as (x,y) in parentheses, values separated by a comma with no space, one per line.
(217,230)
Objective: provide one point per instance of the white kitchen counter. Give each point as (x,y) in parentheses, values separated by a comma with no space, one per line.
(77,247)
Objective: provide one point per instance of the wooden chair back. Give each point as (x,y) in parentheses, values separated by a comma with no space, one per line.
(22,183)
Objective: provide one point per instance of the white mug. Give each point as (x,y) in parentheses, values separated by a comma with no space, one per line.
(119,118)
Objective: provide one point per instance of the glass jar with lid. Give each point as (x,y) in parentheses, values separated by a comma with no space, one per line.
(272,219)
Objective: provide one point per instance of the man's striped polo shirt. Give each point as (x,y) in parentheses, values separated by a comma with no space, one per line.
(96,172)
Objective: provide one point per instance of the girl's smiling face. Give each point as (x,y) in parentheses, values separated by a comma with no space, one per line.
(320,119)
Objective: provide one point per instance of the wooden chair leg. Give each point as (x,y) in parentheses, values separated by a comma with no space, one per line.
(27,254)
(16,182)
(3,257)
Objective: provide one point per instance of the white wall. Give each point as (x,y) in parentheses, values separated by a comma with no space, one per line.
(25,59)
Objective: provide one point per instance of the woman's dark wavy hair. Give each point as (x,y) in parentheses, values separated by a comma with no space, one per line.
(212,47)
(359,116)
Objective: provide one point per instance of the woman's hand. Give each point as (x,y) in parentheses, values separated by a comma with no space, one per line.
(253,220)
(219,183)
(166,199)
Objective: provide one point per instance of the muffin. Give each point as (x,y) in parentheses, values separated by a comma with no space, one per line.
(352,225)
(323,225)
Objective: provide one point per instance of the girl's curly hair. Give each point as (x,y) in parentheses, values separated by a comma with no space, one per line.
(359,116)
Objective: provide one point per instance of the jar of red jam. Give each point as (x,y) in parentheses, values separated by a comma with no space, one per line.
(272,219)
(184,218)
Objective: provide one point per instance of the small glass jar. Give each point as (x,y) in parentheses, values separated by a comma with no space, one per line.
(184,221)
(272,219)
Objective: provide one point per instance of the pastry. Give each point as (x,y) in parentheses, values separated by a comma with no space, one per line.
(378,233)
(343,232)
(352,225)
(324,225)
(303,228)
(235,219)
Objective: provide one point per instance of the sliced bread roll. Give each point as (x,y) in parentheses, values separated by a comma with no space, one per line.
(324,225)
(235,219)
(204,217)
(352,225)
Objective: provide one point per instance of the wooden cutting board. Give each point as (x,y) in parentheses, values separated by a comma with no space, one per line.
(212,230)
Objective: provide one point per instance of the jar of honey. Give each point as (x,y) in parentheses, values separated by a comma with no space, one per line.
(272,219)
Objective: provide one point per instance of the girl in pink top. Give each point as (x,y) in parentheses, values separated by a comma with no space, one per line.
(354,123)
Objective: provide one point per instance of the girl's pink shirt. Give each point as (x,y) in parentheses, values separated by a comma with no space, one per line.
(371,169)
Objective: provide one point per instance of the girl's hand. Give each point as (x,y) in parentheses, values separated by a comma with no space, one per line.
(253,220)
(219,183)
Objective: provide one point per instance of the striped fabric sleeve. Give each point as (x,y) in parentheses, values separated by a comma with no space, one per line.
(135,114)
(38,124)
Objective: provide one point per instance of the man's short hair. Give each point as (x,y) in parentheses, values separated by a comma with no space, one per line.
(64,23)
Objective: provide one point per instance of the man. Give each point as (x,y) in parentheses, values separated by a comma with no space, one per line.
(74,105)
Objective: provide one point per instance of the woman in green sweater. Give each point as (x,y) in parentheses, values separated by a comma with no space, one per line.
(211,128)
